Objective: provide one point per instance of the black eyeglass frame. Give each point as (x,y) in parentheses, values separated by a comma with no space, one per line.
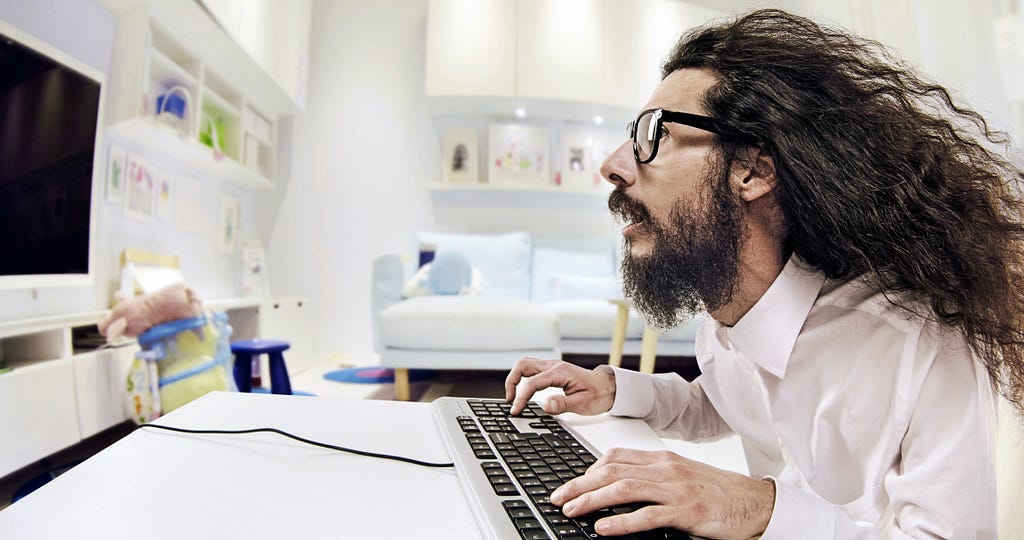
(661,116)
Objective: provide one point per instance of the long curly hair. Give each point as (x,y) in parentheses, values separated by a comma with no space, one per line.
(880,172)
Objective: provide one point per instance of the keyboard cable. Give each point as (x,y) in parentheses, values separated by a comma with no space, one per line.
(300,439)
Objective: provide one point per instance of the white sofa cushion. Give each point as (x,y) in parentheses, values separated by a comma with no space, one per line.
(468,323)
(595,319)
(591,319)
(576,287)
(503,259)
(587,257)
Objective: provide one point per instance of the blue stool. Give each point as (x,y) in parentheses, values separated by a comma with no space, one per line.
(244,352)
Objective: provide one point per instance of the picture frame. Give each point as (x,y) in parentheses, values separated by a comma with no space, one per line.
(165,196)
(576,166)
(230,211)
(140,188)
(518,154)
(460,160)
(253,260)
(116,173)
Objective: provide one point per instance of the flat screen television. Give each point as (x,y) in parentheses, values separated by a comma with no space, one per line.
(50,107)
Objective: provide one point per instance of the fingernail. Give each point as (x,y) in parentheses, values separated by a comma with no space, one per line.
(556,496)
(569,510)
(602,526)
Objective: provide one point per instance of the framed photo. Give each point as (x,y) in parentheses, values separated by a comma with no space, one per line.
(460,161)
(165,196)
(228,224)
(576,167)
(140,188)
(116,165)
(254,268)
(518,154)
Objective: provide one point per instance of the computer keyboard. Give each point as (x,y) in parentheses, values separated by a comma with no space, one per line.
(508,466)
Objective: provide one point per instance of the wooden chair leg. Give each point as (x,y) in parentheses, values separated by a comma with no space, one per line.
(648,350)
(402,384)
(619,334)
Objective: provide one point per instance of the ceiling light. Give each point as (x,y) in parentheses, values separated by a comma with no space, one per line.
(520,113)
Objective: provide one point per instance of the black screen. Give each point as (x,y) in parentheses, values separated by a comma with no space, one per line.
(48,115)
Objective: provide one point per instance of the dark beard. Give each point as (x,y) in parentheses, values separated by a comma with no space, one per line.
(694,264)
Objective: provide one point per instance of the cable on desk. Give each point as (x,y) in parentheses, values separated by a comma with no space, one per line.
(300,439)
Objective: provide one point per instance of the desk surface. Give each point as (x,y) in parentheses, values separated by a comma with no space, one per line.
(157,484)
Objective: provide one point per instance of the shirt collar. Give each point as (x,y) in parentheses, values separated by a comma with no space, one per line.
(767,333)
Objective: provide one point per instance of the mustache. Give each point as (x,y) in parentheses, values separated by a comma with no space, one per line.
(626,209)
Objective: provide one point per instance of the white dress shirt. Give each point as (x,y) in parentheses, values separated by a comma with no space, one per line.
(874,423)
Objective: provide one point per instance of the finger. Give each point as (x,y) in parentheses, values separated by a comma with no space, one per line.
(634,457)
(598,477)
(643,519)
(619,492)
(526,367)
(551,376)
(578,402)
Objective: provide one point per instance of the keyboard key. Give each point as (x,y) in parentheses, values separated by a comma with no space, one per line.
(526,522)
(534,534)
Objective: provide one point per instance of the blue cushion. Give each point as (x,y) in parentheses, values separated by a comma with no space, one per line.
(449,273)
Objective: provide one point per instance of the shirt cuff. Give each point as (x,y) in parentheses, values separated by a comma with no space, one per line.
(634,392)
(799,515)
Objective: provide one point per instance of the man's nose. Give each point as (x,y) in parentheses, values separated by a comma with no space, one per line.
(620,167)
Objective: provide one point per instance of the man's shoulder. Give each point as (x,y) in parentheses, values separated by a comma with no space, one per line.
(863,298)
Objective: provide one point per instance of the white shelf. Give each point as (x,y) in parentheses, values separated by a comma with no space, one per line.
(218,103)
(144,133)
(167,72)
(518,188)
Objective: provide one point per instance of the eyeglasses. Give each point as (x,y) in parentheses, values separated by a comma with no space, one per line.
(646,130)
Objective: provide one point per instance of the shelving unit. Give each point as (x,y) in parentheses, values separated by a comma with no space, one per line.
(164,45)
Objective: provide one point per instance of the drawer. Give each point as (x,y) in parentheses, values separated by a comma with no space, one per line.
(37,413)
(100,388)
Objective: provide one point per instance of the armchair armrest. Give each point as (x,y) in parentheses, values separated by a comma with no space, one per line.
(385,287)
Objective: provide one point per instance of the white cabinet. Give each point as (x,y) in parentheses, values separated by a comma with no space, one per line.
(560,51)
(99,388)
(274,33)
(471,48)
(167,48)
(37,399)
(54,396)
(606,52)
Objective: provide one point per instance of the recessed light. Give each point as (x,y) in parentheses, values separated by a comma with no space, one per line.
(520,113)
(598,120)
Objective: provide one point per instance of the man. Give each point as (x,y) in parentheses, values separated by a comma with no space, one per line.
(859,253)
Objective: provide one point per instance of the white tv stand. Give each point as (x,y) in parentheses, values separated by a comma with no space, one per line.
(57,395)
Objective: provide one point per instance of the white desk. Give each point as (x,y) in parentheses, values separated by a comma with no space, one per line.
(155,484)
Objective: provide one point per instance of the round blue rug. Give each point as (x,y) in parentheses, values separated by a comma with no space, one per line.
(376,375)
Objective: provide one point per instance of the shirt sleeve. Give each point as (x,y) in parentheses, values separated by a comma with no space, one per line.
(944,484)
(668,403)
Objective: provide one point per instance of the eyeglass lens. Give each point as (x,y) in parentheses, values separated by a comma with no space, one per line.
(644,136)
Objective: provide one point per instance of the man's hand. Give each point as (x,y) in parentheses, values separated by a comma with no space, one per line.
(683,494)
(586,391)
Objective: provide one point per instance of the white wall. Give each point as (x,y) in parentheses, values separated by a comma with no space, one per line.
(364,152)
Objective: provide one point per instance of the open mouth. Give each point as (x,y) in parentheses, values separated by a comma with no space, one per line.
(627,211)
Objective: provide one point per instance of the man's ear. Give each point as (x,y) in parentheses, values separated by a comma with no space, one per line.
(753,174)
